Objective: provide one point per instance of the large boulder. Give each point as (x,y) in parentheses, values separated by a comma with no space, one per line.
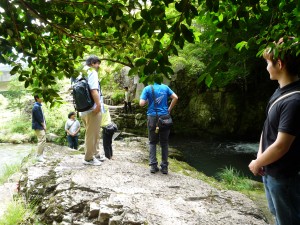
(122,191)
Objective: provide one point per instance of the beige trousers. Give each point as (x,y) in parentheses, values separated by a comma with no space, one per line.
(92,125)
(41,136)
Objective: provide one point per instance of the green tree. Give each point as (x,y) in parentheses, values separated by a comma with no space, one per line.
(53,36)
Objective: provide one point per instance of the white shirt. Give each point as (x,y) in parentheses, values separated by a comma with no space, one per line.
(72,126)
(93,82)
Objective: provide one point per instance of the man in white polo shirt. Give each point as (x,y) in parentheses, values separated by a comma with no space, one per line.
(92,117)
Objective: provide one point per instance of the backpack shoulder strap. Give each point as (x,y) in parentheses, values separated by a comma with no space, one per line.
(282,97)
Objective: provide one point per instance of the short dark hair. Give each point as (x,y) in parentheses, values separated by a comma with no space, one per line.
(92,60)
(36,97)
(289,58)
(71,114)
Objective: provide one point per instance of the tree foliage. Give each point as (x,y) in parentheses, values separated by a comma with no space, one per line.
(53,36)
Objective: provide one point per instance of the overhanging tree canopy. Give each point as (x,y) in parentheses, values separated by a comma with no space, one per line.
(51,36)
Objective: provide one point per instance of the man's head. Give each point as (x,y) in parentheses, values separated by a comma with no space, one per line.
(158,78)
(71,114)
(126,88)
(93,61)
(37,98)
(285,57)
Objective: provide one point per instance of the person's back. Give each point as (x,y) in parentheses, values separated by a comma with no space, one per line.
(156,96)
(161,92)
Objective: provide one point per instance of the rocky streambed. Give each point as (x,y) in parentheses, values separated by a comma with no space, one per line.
(122,191)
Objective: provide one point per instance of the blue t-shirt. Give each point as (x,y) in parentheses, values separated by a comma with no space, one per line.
(161,92)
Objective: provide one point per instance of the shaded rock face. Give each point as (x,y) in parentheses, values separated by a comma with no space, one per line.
(123,191)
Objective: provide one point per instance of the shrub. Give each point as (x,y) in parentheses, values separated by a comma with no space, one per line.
(118,97)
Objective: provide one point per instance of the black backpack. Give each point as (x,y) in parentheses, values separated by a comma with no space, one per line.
(82,97)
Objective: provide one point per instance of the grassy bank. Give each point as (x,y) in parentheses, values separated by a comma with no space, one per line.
(17,212)
(9,170)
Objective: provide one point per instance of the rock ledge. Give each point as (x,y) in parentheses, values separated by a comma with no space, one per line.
(122,191)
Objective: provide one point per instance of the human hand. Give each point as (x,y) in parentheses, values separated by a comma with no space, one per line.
(255,168)
(97,109)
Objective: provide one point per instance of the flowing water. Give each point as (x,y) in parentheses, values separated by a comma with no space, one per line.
(211,156)
(13,154)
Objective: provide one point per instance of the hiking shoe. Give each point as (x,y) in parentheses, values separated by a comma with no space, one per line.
(154,169)
(40,158)
(164,170)
(92,162)
(101,158)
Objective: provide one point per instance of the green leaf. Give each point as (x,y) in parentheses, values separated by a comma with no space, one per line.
(137,24)
(221,17)
(157,46)
(150,67)
(194,10)
(187,34)
(14,70)
(133,71)
(174,50)
(21,78)
(151,55)
(140,62)
(201,78)
(178,6)
(26,84)
(145,15)
(240,45)
(143,29)
(208,80)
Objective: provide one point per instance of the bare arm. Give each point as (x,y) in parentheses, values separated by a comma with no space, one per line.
(95,95)
(260,147)
(273,153)
(174,98)
(143,102)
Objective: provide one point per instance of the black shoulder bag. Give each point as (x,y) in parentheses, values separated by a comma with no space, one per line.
(164,121)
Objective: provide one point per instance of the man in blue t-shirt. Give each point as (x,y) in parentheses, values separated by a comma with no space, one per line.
(279,149)
(158,106)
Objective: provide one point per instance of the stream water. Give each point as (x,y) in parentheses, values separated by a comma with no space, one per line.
(210,157)
(13,154)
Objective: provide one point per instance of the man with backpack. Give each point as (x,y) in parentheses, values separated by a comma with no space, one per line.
(92,117)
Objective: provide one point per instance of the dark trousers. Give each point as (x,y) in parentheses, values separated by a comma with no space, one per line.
(162,137)
(107,143)
(127,106)
(73,141)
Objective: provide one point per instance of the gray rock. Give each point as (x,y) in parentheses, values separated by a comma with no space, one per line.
(122,191)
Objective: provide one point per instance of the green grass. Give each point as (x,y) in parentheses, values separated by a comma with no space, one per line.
(16,213)
(8,171)
(232,179)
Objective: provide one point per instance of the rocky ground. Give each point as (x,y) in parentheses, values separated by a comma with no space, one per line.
(123,191)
